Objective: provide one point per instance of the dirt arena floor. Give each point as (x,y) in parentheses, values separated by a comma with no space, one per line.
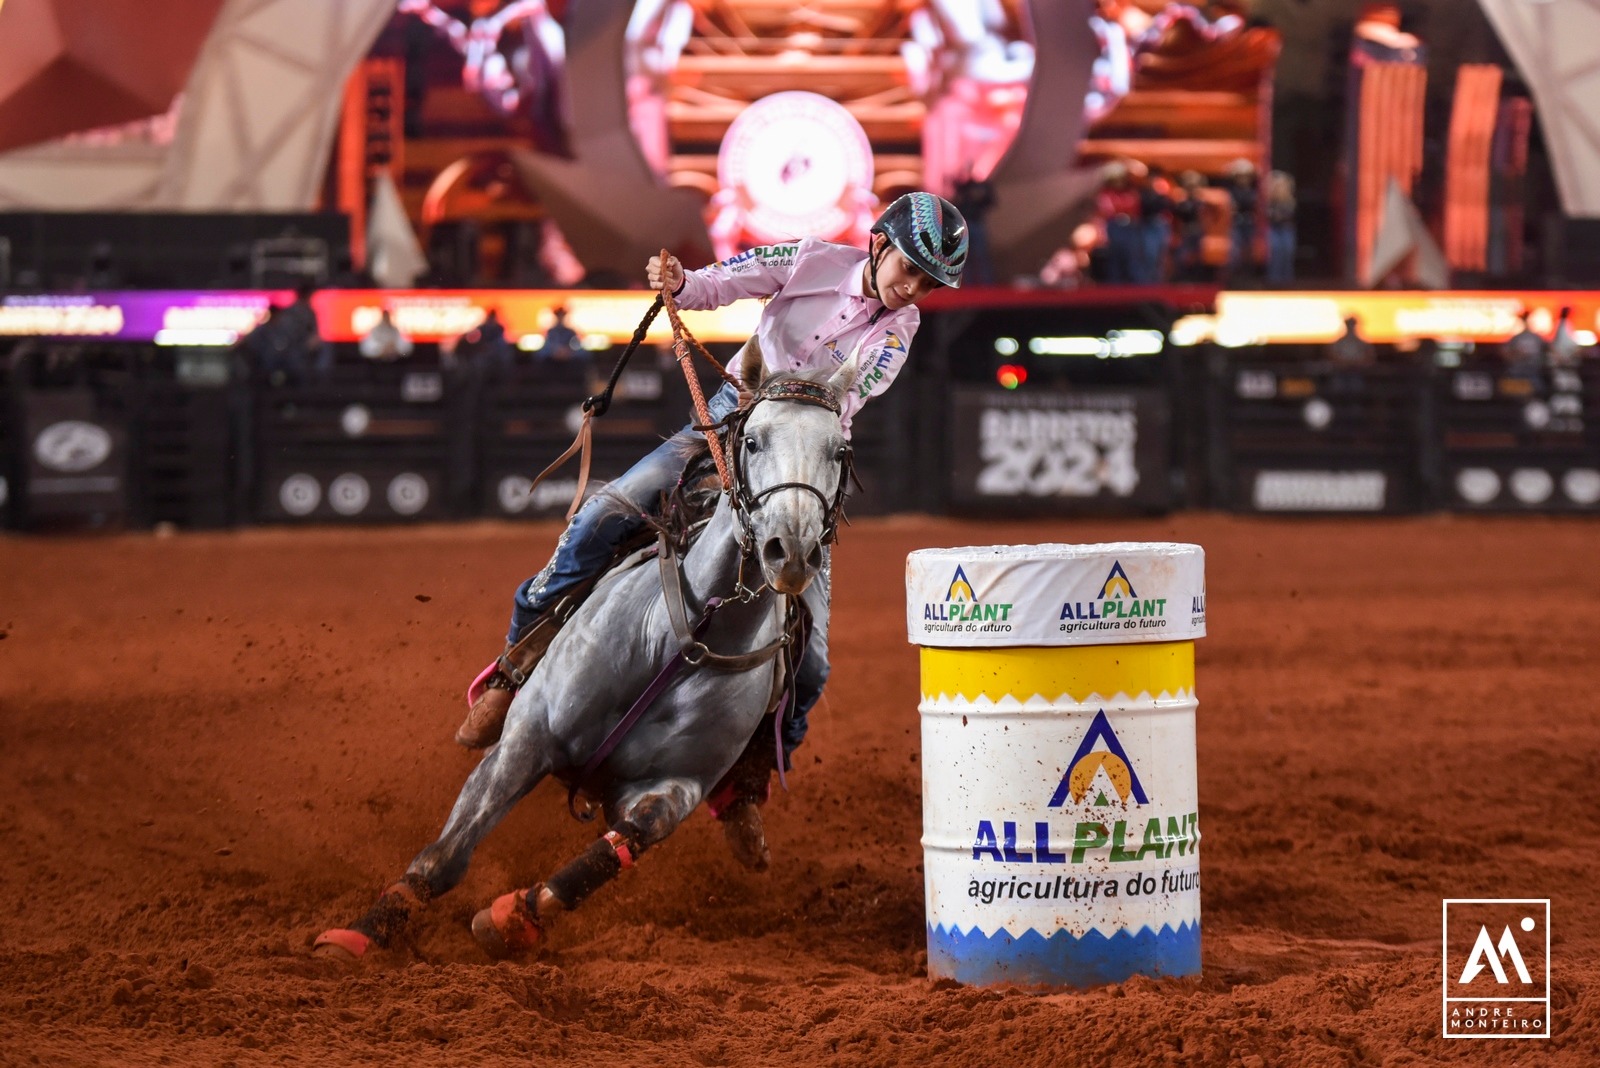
(214,746)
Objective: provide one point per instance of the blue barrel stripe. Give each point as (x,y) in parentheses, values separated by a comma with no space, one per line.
(1032,959)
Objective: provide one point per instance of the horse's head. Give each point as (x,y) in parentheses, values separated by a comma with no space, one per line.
(789,455)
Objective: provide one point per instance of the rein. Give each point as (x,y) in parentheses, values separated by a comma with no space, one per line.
(598,404)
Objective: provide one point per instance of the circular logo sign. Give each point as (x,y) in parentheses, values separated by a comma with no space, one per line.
(1477,485)
(513,494)
(1318,413)
(300,494)
(408,493)
(348,494)
(355,419)
(1532,485)
(72,446)
(1537,414)
(797,156)
(1581,485)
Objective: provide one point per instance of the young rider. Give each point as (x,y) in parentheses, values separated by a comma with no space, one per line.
(828,303)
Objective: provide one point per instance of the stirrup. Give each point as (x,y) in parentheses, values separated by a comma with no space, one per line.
(481,683)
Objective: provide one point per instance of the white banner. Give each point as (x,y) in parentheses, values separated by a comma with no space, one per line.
(1048,595)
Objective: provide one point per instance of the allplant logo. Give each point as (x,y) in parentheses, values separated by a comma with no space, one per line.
(964,610)
(1497,968)
(1117,606)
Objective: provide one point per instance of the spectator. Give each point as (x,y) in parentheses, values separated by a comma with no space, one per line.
(1155,226)
(1188,210)
(1524,353)
(1564,351)
(385,341)
(272,351)
(973,198)
(1280,228)
(1242,188)
(1118,206)
(1351,349)
(560,340)
(485,345)
(304,339)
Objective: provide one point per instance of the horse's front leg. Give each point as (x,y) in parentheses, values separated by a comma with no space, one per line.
(505,775)
(643,816)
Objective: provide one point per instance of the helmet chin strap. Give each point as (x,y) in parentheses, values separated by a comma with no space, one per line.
(874,258)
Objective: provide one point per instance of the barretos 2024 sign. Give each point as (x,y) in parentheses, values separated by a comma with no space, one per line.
(1053,452)
(1054,595)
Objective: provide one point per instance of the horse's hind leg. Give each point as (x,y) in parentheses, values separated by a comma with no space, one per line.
(501,779)
(514,924)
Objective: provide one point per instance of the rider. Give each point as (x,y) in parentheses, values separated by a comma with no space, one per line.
(829,302)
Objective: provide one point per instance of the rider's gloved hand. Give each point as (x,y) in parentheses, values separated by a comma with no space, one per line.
(672,270)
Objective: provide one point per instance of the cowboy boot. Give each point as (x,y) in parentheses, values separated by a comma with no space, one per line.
(491,693)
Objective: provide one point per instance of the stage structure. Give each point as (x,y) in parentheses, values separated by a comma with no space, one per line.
(251,130)
(940,89)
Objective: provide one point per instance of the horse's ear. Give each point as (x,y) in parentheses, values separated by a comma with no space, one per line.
(844,379)
(752,368)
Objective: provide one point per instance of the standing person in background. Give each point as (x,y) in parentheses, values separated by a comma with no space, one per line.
(973,198)
(1565,351)
(1280,228)
(1350,349)
(1242,232)
(385,341)
(485,345)
(1188,209)
(1118,206)
(560,341)
(1155,226)
(1524,352)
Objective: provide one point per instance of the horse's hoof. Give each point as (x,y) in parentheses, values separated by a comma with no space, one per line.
(747,838)
(507,928)
(341,944)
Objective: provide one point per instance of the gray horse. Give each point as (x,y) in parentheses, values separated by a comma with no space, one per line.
(789,453)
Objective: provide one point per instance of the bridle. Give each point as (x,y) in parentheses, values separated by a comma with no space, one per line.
(794,391)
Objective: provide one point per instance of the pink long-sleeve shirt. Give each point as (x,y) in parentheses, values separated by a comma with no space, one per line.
(819,315)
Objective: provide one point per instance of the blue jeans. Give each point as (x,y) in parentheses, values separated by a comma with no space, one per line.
(598,530)
(1155,235)
(1280,252)
(1124,251)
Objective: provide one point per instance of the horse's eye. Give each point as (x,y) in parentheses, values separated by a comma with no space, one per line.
(750,443)
(841,453)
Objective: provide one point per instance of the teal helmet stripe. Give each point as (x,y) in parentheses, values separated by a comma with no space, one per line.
(927,219)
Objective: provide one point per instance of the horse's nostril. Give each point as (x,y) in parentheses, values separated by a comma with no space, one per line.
(772,552)
(814,558)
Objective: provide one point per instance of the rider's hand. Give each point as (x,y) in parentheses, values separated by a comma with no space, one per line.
(673,271)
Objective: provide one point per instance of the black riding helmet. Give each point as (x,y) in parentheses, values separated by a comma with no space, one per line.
(928,231)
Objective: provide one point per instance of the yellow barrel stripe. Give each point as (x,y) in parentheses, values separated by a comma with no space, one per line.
(1074,670)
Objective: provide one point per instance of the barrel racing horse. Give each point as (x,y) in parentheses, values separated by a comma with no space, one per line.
(719,614)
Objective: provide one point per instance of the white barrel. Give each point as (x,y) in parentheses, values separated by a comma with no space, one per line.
(1061,828)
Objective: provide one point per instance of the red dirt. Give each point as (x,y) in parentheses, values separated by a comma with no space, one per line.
(214,746)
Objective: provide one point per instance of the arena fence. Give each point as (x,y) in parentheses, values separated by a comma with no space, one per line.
(134,435)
